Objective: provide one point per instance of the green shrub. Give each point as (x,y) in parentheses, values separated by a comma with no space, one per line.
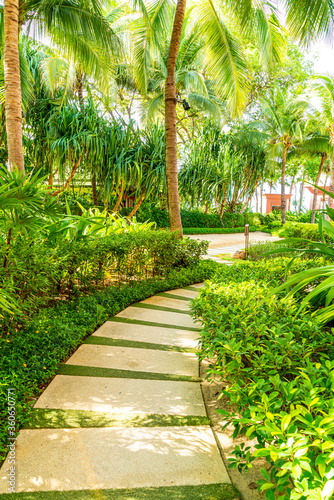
(32,352)
(279,367)
(43,272)
(223,230)
(195,218)
(299,230)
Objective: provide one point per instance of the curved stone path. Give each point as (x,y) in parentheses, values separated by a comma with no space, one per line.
(124,418)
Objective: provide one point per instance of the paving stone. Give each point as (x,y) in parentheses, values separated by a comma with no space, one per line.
(129,358)
(183,305)
(163,317)
(77,459)
(191,294)
(67,392)
(151,334)
(198,285)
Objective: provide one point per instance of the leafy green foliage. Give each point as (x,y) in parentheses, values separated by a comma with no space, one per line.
(215,230)
(279,368)
(197,219)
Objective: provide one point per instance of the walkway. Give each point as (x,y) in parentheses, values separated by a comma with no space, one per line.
(124,417)
(228,244)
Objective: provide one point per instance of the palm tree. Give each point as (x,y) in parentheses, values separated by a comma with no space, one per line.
(317,144)
(222,58)
(13,105)
(324,89)
(68,24)
(282,129)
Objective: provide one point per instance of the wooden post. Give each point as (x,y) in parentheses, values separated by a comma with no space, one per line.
(246,240)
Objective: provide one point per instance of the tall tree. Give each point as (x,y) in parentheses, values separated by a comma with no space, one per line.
(170,121)
(282,127)
(12,76)
(324,89)
(68,24)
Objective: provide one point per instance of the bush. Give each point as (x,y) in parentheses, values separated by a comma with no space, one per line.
(31,355)
(43,272)
(195,218)
(300,230)
(279,365)
(222,230)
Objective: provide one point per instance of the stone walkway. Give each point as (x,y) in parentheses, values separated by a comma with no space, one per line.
(124,418)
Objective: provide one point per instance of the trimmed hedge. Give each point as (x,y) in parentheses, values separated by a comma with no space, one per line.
(31,355)
(223,230)
(195,218)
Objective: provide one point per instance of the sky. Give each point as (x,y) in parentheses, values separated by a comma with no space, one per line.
(323,56)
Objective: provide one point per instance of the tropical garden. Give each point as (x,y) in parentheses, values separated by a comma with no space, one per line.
(125,126)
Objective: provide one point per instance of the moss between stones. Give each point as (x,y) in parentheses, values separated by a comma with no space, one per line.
(202,492)
(93,371)
(172,296)
(151,323)
(159,308)
(192,288)
(94,339)
(45,418)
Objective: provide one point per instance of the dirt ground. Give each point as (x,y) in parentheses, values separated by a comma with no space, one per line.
(245,482)
(226,240)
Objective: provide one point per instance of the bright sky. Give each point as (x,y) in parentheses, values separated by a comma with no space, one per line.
(323,55)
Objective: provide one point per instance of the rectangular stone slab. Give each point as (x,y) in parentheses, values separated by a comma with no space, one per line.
(151,334)
(183,305)
(191,294)
(164,317)
(129,358)
(77,459)
(119,395)
(198,285)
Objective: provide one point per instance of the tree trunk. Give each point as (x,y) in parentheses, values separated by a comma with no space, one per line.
(170,122)
(12,75)
(94,190)
(301,197)
(137,206)
(331,187)
(250,196)
(223,205)
(261,197)
(323,195)
(67,183)
(80,90)
(283,202)
(290,192)
(119,199)
(317,180)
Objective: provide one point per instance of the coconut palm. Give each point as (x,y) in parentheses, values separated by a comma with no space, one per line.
(75,26)
(324,89)
(282,128)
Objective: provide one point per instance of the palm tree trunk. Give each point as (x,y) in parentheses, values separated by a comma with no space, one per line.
(94,190)
(283,202)
(170,122)
(331,187)
(317,180)
(290,192)
(13,102)
(301,196)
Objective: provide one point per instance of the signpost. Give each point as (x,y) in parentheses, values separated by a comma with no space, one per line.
(246,240)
